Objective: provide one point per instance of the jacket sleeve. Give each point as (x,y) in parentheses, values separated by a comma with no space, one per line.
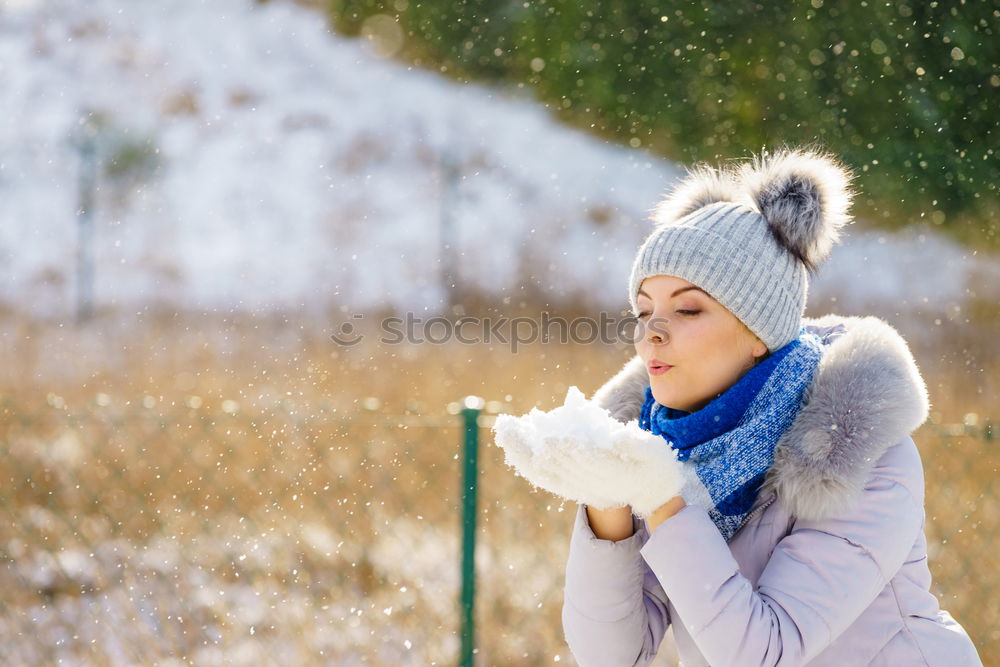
(614,610)
(818,580)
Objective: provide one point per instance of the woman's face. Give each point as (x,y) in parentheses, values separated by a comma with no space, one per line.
(707,348)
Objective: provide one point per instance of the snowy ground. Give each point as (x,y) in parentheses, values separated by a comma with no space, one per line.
(232,596)
(254,160)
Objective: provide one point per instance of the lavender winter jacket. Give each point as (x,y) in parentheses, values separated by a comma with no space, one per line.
(829,569)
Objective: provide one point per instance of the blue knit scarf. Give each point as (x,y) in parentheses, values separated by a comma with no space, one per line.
(728,446)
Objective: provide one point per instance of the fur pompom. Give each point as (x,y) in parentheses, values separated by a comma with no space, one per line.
(804,194)
(702,186)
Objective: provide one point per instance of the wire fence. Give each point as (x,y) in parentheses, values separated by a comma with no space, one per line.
(210,532)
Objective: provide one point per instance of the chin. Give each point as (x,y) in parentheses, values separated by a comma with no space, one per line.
(670,399)
(667,399)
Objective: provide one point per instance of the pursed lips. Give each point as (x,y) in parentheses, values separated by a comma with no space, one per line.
(657,367)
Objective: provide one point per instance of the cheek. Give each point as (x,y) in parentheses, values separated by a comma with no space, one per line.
(716,352)
(742,345)
(639,346)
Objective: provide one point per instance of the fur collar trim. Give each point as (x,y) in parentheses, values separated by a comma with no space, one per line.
(867,395)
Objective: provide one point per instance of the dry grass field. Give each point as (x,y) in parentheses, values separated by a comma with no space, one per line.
(208,489)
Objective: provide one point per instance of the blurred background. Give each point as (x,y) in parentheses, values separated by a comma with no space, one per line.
(197,198)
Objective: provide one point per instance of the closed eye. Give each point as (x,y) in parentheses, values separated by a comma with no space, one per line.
(689,313)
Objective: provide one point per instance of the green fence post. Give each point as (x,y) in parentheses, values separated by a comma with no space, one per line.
(470,416)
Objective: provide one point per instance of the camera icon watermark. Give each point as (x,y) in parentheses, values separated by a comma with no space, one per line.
(348,335)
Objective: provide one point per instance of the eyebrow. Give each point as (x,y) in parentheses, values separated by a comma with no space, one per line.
(680,291)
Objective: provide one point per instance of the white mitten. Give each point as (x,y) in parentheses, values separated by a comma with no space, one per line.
(582,453)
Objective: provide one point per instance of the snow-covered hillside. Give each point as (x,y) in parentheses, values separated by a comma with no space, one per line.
(251,159)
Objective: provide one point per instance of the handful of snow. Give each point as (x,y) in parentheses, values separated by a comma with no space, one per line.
(582,453)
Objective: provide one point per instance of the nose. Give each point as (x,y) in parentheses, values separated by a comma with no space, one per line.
(656,333)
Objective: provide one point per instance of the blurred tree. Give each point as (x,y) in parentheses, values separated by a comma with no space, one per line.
(899,89)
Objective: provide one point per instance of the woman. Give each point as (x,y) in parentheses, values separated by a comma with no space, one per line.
(797,535)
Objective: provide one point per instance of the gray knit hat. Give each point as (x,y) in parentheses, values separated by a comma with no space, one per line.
(749,233)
